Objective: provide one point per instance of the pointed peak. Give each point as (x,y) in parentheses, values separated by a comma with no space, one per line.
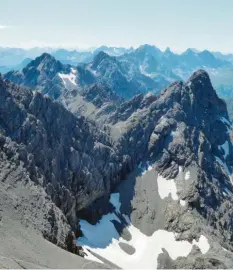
(45,59)
(206,53)
(201,86)
(168,50)
(147,48)
(45,56)
(189,51)
(99,58)
(102,55)
(200,74)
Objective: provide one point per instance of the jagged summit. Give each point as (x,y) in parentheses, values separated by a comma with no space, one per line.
(197,98)
(101,56)
(200,79)
(41,74)
(45,55)
(202,88)
(150,49)
(189,51)
(199,73)
(45,62)
(168,51)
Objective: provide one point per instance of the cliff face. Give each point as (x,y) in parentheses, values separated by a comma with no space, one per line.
(187,125)
(66,155)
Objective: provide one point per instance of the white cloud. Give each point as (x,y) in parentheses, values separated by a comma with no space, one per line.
(3,27)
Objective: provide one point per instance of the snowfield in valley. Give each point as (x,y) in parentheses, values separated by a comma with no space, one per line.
(104,239)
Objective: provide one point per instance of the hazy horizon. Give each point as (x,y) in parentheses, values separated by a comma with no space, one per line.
(92,49)
(83,24)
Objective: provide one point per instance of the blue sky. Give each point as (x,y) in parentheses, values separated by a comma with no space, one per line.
(178,24)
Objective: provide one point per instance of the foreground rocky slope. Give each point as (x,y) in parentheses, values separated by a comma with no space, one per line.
(151,142)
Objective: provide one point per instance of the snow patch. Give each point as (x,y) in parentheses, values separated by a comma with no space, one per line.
(71,77)
(142,69)
(202,243)
(182,202)
(166,187)
(103,239)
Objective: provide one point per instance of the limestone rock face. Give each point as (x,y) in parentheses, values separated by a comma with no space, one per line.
(68,156)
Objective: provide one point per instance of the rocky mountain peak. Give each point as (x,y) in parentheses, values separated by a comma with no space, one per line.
(149,49)
(200,76)
(99,58)
(201,87)
(189,52)
(46,63)
(39,74)
(197,99)
(168,51)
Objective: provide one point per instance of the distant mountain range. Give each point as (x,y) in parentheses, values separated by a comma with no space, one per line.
(10,57)
(129,71)
(51,77)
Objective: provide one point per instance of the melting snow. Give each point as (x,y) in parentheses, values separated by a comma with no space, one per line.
(166,187)
(103,239)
